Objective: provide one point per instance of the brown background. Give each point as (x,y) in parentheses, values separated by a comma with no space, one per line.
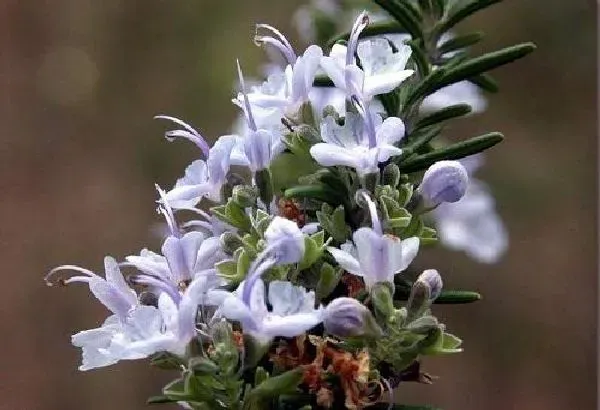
(79,153)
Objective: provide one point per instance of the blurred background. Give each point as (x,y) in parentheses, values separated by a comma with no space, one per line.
(80,153)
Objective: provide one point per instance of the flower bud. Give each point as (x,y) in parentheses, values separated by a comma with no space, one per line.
(432,279)
(286,240)
(348,317)
(444,181)
(391,175)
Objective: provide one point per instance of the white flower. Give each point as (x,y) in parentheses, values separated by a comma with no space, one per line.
(292,310)
(203,179)
(112,291)
(135,331)
(382,69)
(375,256)
(288,90)
(361,143)
(259,146)
(184,256)
(145,330)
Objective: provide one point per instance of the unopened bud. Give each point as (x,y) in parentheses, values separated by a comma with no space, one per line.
(433,280)
(391,175)
(346,317)
(444,181)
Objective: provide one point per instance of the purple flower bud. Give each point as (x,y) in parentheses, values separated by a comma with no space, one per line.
(348,317)
(444,181)
(432,279)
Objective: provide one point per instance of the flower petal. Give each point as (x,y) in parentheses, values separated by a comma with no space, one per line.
(346,261)
(290,326)
(330,155)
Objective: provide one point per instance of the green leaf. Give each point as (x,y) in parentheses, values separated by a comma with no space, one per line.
(414,228)
(167,361)
(260,375)
(451,342)
(454,151)
(481,64)
(284,176)
(176,390)
(440,342)
(419,139)
(454,297)
(265,185)
(404,14)
(382,298)
(422,89)
(162,399)
(394,215)
(460,42)
(462,11)
(201,364)
(406,192)
(433,7)
(420,58)
(466,70)
(328,279)
(452,111)
(243,265)
(390,102)
(319,192)
(312,252)
(227,268)
(275,386)
(428,236)
(485,82)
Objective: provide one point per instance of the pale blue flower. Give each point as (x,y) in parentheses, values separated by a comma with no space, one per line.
(112,291)
(362,142)
(288,91)
(188,132)
(258,147)
(382,69)
(284,246)
(292,310)
(184,255)
(375,256)
(444,181)
(204,179)
(145,330)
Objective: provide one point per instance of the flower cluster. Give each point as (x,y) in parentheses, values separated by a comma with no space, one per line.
(290,286)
